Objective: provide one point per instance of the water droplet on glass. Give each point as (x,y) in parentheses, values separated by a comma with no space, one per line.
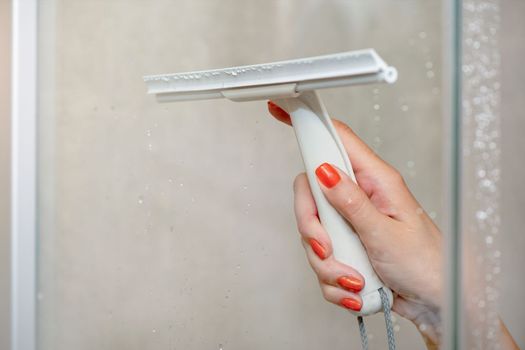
(148,132)
(430,74)
(150,147)
(377,107)
(220,347)
(486,183)
(404,108)
(411,164)
(422,35)
(181,185)
(481,215)
(153,331)
(140,200)
(245,188)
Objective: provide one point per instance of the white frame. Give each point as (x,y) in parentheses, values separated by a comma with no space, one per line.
(23,174)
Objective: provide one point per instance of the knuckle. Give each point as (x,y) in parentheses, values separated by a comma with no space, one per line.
(302,227)
(316,268)
(324,291)
(396,176)
(323,273)
(353,205)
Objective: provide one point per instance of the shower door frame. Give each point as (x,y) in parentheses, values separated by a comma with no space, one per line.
(24,162)
(24,168)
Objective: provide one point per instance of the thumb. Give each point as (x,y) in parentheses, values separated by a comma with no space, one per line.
(350,200)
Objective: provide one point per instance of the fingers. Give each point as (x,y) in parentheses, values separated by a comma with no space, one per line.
(380,181)
(350,200)
(308,223)
(317,243)
(342,297)
(360,154)
(279,113)
(339,283)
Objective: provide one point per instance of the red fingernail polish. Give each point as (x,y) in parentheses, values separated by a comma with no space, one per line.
(351,303)
(317,248)
(278,112)
(327,175)
(351,283)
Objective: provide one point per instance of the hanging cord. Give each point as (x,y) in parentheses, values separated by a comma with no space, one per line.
(362,332)
(388,320)
(388,323)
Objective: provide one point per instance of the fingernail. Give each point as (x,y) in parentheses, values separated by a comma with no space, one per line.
(351,283)
(317,248)
(327,175)
(277,111)
(351,303)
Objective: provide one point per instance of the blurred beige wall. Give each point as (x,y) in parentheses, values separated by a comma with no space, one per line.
(5,50)
(513,167)
(171,226)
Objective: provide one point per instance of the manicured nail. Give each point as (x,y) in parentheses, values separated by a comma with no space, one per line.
(317,248)
(278,112)
(351,303)
(351,283)
(327,175)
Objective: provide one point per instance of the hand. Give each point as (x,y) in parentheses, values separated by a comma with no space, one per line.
(402,242)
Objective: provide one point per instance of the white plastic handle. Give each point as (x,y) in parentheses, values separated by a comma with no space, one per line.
(320,143)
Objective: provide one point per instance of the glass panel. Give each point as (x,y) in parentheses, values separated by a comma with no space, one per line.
(512,197)
(492,240)
(481,172)
(171,226)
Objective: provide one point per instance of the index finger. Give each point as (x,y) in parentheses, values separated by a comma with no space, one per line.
(361,156)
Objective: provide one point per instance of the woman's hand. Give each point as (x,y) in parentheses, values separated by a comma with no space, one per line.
(402,242)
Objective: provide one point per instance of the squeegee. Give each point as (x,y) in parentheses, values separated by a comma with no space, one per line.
(292,85)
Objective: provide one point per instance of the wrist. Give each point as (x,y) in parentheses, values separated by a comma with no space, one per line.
(428,323)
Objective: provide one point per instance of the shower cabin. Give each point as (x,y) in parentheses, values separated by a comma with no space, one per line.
(138,225)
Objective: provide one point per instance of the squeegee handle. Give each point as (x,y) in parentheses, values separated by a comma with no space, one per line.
(319,143)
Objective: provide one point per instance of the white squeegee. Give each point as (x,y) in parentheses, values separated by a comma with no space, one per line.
(292,84)
(272,80)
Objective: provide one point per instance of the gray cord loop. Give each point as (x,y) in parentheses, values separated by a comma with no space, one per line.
(388,322)
(362,332)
